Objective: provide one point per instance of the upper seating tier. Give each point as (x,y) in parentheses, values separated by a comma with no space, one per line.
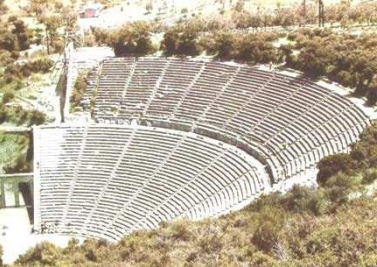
(289,123)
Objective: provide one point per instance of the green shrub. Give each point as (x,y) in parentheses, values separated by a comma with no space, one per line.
(182,40)
(3,114)
(20,71)
(331,165)
(372,93)
(273,199)
(259,259)
(270,221)
(15,55)
(369,260)
(78,91)
(339,187)
(132,39)
(37,118)
(17,115)
(6,58)
(302,199)
(179,230)
(44,253)
(21,165)
(7,97)
(42,65)
(369,176)
(20,158)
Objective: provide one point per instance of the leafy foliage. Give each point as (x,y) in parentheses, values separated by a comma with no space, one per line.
(17,152)
(14,35)
(182,40)
(132,39)
(45,253)
(17,115)
(331,165)
(346,59)
(20,71)
(78,91)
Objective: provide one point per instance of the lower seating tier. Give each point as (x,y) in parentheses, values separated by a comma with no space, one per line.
(106,181)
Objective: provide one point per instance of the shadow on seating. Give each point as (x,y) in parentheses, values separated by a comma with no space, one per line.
(27,195)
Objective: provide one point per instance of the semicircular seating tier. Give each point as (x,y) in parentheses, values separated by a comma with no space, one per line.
(106,181)
(288,123)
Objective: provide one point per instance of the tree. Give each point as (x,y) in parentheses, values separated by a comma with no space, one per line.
(331,165)
(286,52)
(331,14)
(256,48)
(302,199)
(344,22)
(182,40)
(256,20)
(141,35)
(7,97)
(269,223)
(20,30)
(339,187)
(362,67)
(364,152)
(170,42)
(102,37)
(239,6)
(225,45)
(267,19)
(7,41)
(44,253)
(37,118)
(37,6)
(68,17)
(188,42)
(344,77)
(285,17)
(79,91)
(133,39)
(52,23)
(314,57)
(372,92)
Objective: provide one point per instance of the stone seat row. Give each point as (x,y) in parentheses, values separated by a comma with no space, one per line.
(292,117)
(101,181)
